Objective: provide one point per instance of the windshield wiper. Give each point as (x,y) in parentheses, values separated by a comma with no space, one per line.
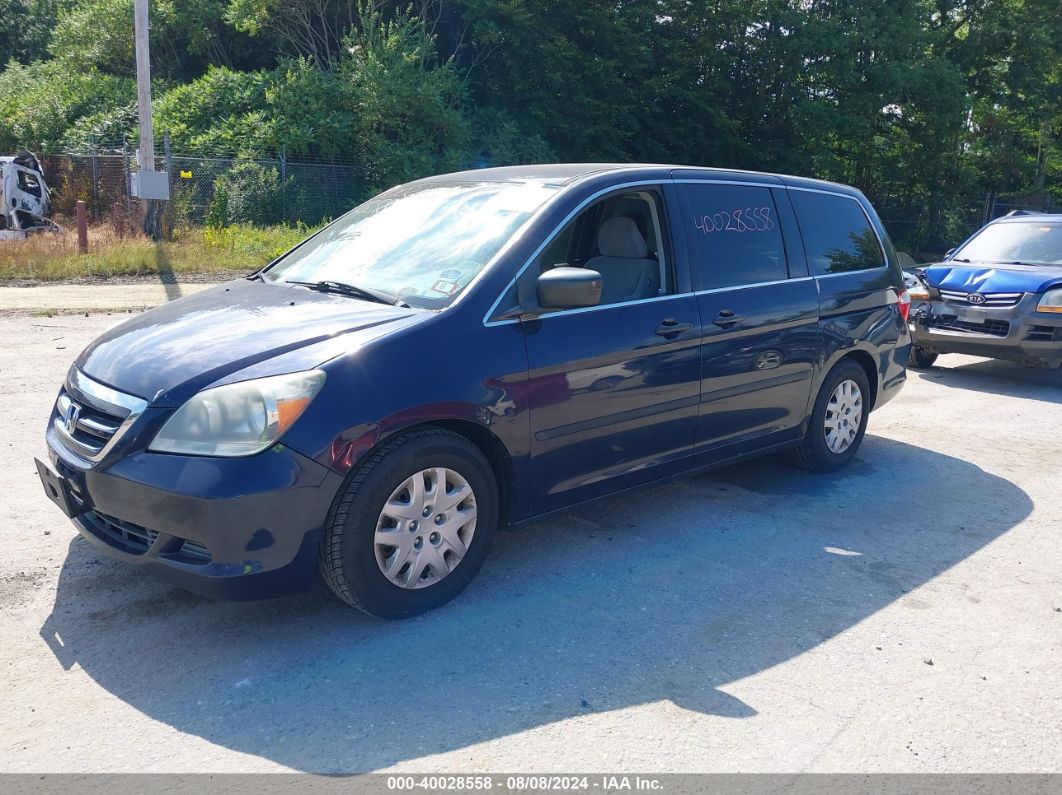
(342,288)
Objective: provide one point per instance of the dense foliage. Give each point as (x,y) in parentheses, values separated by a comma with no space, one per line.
(924,104)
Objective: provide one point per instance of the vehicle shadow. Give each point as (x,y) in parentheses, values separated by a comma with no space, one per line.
(671,592)
(996,377)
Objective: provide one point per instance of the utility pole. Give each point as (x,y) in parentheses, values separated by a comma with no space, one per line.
(146,153)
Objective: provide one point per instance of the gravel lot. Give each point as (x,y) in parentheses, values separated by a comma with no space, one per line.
(905,615)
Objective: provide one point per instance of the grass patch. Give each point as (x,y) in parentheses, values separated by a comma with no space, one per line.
(54,257)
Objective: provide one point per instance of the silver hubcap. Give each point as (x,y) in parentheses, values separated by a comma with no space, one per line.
(844,414)
(425,528)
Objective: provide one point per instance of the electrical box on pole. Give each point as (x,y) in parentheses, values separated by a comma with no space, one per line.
(150,185)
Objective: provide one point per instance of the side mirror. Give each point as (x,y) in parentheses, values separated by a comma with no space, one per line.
(568,288)
(948,253)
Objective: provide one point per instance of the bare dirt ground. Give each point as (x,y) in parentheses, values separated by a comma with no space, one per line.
(904,615)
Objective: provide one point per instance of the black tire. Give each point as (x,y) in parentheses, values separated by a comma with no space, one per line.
(921,359)
(812,453)
(348,558)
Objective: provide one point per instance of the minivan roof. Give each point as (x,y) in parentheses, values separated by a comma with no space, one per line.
(566,173)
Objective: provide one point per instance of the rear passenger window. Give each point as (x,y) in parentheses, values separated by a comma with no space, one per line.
(838,237)
(734,236)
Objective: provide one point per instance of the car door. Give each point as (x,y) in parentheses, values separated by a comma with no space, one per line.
(759,311)
(613,389)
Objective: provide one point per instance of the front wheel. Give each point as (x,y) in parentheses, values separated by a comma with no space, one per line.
(412,526)
(838,420)
(920,358)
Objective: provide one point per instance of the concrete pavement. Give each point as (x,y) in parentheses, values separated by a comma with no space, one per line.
(904,615)
(90,297)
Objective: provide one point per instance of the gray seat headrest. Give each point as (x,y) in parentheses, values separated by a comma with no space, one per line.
(619,237)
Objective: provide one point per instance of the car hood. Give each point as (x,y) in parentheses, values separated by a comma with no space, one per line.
(172,351)
(984,278)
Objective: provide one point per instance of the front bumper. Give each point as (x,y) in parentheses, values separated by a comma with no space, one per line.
(238,528)
(1016,333)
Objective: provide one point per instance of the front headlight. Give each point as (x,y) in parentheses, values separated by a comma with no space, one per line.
(238,419)
(1051,302)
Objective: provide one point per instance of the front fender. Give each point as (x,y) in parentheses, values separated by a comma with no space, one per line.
(451,370)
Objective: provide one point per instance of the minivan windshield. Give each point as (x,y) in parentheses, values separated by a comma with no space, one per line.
(422,243)
(1026,243)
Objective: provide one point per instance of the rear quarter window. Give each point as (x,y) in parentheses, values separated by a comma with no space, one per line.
(838,237)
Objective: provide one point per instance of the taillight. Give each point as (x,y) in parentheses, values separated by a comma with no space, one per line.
(903,303)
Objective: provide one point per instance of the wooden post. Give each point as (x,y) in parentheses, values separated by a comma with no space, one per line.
(82,228)
(119,218)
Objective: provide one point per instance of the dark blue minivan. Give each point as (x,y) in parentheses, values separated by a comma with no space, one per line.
(466,352)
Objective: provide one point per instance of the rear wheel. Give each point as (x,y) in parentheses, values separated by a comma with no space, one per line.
(921,359)
(412,526)
(838,420)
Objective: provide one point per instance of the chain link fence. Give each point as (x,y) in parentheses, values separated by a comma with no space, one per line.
(220,191)
(99,180)
(215,191)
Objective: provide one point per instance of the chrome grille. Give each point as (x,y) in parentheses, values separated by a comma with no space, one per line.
(991,299)
(90,417)
(89,430)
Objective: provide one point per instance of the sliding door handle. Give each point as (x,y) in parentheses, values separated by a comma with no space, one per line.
(671,328)
(727,319)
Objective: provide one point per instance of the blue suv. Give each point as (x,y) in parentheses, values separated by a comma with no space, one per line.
(998,295)
(465,353)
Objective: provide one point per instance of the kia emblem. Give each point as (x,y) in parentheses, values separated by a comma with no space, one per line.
(975,298)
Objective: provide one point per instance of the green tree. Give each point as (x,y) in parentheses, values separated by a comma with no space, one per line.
(924,104)
(220,112)
(41,102)
(187,37)
(26,29)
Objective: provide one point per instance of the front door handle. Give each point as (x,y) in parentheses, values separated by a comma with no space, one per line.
(727,319)
(671,327)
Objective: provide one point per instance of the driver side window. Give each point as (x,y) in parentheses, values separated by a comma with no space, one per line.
(620,237)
